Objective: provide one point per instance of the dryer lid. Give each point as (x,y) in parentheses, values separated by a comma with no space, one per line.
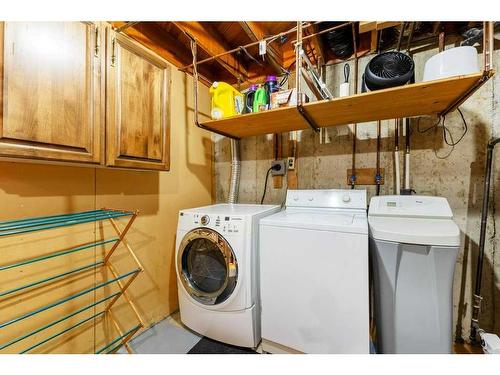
(318,219)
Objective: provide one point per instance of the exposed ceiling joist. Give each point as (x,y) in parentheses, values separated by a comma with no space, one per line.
(316,44)
(148,34)
(152,36)
(213,45)
(256,32)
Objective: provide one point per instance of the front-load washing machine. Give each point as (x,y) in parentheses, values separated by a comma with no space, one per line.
(217,274)
(314,274)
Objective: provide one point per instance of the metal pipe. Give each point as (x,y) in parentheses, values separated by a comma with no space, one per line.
(410,37)
(488,45)
(482,239)
(234,184)
(51,278)
(67,299)
(396,156)
(117,339)
(57,254)
(269,39)
(298,62)
(61,332)
(355,126)
(126,26)
(378,177)
(407,157)
(51,324)
(45,220)
(57,223)
(400,39)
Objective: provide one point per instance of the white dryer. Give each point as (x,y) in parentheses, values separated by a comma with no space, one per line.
(314,274)
(217,271)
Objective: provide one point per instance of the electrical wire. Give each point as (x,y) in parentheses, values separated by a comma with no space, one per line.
(265,185)
(430,127)
(447,131)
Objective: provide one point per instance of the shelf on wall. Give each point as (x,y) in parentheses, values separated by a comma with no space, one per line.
(418,99)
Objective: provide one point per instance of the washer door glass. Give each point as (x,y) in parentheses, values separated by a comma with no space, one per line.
(207,266)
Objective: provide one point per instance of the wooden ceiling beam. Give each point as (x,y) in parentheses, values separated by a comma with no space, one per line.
(256,32)
(213,45)
(317,45)
(154,37)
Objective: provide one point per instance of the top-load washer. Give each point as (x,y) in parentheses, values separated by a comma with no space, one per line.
(414,244)
(314,274)
(216,263)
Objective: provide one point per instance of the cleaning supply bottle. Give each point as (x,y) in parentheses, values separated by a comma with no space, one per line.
(249,96)
(226,101)
(260,100)
(271,86)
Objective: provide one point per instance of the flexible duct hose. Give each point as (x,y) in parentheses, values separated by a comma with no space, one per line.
(234,185)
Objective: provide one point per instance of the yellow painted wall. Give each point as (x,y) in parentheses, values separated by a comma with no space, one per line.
(36,189)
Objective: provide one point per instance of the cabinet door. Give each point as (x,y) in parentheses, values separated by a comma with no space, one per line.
(137,106)
(51,90)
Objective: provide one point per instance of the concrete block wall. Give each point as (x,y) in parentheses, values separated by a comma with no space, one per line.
(436,169)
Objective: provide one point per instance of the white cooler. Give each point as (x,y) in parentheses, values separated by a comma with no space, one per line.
(414,244)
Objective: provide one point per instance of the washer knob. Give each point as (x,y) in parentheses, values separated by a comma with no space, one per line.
(205,219)
(346,198)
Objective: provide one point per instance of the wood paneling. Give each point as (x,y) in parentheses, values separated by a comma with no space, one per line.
(137,111)
(52,91)
(34,190)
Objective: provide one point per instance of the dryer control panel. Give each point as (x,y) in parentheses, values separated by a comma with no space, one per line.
(327,198)
(230,224)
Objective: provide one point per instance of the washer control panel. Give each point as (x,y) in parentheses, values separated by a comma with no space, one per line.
(328,198)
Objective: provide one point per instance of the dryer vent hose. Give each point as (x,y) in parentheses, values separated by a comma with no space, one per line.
(234,185)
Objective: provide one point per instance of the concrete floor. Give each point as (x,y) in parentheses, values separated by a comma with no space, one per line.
(169,336)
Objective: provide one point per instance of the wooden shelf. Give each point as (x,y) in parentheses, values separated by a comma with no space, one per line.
(418,99)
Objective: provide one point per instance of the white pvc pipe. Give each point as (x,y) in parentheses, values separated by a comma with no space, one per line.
(407,171)
(398,174)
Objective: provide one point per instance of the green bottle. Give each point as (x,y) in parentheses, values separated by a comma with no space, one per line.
(260,100)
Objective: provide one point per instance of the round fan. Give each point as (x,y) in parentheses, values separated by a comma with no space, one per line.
(389,69)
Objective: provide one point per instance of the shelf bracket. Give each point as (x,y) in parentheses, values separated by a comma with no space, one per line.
(455,104)
(488,71)
(308,118)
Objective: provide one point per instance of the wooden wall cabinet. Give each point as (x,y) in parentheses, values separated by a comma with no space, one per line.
(52,91)
(137,105)
(79,92)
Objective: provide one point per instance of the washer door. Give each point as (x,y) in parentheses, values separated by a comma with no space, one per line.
(207,266)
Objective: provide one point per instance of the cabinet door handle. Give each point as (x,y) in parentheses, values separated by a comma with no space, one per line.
(97,41)
(113,52)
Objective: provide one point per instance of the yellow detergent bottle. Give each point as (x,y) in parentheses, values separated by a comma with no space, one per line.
(226,100)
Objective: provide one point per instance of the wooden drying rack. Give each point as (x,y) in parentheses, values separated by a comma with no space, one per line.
(18,227)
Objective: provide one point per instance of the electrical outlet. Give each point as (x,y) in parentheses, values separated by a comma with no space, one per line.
(282,167)
(291,163)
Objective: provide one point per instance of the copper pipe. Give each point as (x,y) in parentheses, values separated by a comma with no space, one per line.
(327,30)
(126,26)
(379,141)
(410,36)
(269,39)
(298,61)
(355,126)
(488,42)
(400,39)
